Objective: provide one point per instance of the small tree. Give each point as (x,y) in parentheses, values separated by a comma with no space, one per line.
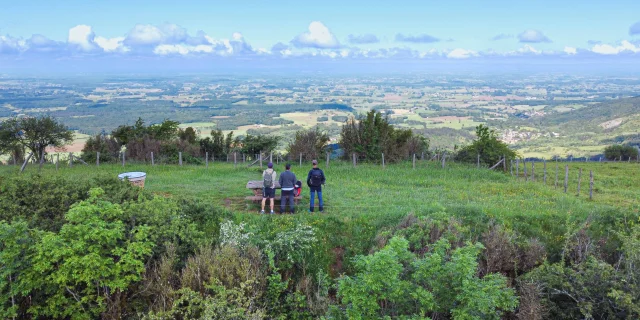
(255,144)
(35,134)
(616,151)
(106,145)
(189,135)
(371,135)
(312,143)
(487,145)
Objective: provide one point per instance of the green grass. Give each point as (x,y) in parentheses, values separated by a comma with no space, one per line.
(362,201)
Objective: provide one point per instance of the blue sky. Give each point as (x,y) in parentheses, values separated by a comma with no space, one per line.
(348,30)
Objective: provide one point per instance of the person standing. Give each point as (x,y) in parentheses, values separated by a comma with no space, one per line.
(287,184)
(315,181)
(268,187)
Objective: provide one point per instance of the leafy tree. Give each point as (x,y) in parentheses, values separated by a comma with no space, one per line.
(487,145)
(189,135)
(216,145)
(251,144)
(165,131)
(34,133)
(616,151)
(312,143)
(108,147)
(371,135)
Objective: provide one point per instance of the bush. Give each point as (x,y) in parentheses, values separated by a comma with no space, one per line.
(488,146)
(312,144)
(618,151)
(395,282)
(108,147)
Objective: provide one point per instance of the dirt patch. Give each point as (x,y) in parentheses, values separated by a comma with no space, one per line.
(220,117)
(336,267)
(74,147)
(227,202)
(392,97)
(611,124)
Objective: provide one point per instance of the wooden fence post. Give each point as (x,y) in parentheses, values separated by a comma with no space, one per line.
(524,168)
(414,161)
(478,161)
(244,158)
(271,156)
(98,159)
(354,159)
(504,163)
(57,160)
(422,156)
(70,160)
(260,159)
(123,159)
(301,159)
(555,185)
(26,161)
(533,171)
(511,166)
(153,161)
(206,159)
(180,158)
(591,185)
(327,159)
(566,178)
(383,161)
(235,159)
(444,160)
(579,180)
(545,171)
(41,160)
(14,159)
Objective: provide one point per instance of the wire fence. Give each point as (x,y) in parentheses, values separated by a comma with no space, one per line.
(521,169)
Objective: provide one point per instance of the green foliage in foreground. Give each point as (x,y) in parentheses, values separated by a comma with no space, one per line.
(457,243)
(394,282)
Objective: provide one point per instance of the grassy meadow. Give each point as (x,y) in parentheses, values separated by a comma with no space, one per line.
(362,201)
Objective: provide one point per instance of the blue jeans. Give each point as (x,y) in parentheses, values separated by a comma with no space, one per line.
(313,198)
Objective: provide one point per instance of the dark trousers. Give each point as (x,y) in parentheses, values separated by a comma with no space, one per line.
(284,197)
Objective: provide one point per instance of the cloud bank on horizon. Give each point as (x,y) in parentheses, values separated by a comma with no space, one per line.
(318,40)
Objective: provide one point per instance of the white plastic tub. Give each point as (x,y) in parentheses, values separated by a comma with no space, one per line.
(136,178)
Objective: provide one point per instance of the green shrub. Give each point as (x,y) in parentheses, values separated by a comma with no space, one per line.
(395,282)
(487,146)
(618,151)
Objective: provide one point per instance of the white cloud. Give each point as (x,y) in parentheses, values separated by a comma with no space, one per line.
(144,34)
(607,49)
(570,51)
(533,36)
(10,44)
(111,44)
(82,37)
(182,49)
(318,36)
(461,54)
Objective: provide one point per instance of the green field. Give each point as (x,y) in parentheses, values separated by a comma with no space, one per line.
(369,191)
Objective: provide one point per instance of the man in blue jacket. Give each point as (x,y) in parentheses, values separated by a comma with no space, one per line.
(287,184)
(315,181)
